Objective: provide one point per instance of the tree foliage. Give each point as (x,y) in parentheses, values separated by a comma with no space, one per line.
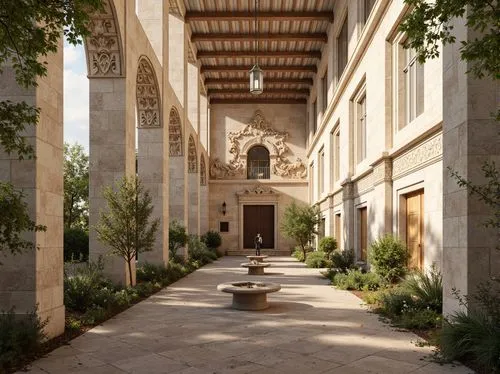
(177,238)
(76,186)
(429,24)
(300,223)
(14,220)
(125,227)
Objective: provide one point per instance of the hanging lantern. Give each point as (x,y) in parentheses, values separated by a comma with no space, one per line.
(256,80)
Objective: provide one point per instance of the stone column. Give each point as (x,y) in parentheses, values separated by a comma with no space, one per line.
(348,216)
(193,93)
(34,278)
(382,196)
(150,13)
(176,55)
(470,137)
(204,135)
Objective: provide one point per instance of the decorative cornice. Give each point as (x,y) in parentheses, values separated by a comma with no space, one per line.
(426,153)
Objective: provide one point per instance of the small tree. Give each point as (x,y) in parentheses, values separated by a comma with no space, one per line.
(300,223)
(212,239)
(76,187)
(389,256)
(125,226)
(328,245)
(177,237)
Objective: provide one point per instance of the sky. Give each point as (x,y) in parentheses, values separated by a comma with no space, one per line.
(76,96)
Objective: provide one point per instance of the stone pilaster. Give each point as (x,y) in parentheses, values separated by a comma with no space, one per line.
(382,195)
(470,137)
(348,216)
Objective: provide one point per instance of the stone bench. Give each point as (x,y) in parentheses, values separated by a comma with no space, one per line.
(249,295)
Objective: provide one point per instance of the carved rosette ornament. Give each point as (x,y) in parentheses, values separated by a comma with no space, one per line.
(174,134)
(203,171)
(103,46)
(192,164)
(148,96)
(257,132)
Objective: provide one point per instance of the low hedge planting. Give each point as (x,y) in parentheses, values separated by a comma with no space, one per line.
(356,280)
(317,259)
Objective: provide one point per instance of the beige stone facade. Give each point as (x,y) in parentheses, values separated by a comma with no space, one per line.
(370,145)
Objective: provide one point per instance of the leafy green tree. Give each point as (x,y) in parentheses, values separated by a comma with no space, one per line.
(300,223)
(429,24)
(125,227)
(29,30)
(14,220)
(177,238)
(76,186)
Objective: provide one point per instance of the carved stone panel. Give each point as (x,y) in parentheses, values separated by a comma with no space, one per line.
(424,154)
(203,171)
(103,46)
(192,164)
(148,96)
(258,132)
(174,134)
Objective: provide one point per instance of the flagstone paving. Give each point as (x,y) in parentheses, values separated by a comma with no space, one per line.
(189,328)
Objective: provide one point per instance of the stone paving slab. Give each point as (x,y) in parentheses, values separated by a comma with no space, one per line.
(190,328)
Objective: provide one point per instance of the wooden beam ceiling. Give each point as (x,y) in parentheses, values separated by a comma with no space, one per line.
(268,91)
(269,54)
(213,81)
(213,37)
(284,68)
(264,16)
(258,100)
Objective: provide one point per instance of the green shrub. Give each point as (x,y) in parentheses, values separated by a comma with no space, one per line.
(316,260)
(20,338)
(395,302)
(154,273)
(146,289)
(427,288)
(327,245)
(175,271)
(198,251)
(212,239)
(76,244)
(95,315)
(357,280)
(342,260)
(298,254)
(475,333)
(388,255)
(420,319)
(177,237)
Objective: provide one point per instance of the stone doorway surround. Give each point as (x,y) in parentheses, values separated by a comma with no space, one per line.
(257,195)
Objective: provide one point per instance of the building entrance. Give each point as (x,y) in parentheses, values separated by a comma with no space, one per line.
(258,219)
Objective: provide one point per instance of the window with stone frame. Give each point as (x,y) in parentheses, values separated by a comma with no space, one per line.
(360,124)
(311,182)
(315,116)
(409,74)
(365,8)
(321,171)
(342,49)
(335,154)
(324,92)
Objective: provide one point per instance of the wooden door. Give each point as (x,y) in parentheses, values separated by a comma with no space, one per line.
(415,228)
(363,233)
(338,226)
(258,219)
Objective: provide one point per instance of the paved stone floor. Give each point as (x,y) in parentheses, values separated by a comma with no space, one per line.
(189,328)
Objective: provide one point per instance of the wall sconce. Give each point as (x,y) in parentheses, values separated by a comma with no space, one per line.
(224,208)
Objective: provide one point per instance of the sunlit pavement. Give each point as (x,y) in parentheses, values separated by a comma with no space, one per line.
(189,327)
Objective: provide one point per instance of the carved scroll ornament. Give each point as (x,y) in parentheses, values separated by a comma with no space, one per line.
(258,131)
(148,96)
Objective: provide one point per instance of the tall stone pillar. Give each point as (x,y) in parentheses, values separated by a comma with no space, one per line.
(470,138)
(34,278)
(382,195)
(348,217)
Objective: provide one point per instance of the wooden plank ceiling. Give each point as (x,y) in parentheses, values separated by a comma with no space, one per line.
(292,34)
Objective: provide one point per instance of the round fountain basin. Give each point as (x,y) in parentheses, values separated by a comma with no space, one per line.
(255,268)
(257,258)
(249,295)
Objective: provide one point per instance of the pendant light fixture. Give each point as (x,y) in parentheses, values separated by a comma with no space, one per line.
(256,73)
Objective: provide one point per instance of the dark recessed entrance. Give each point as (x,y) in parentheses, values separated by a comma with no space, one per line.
(258,219)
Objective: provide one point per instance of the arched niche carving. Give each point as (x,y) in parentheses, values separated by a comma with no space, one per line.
(103,46)
(203,171)
(257,132)
(147,95)
(174,133)
(192,164)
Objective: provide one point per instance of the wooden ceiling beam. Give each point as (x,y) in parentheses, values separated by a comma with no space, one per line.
(212,81)
(213,37)
(268,91)
(264,16)
(258,100)
(284,68)
(269,54)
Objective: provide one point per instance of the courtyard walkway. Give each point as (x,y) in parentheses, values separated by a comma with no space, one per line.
(189,328)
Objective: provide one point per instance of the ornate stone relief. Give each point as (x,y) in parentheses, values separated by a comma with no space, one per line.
(203,171)
(174,134)
(258,131)
(103,46)
(337,198)
(422,155)
(363,184)
(382,172)
(257,190)
(148,96)
(192,164)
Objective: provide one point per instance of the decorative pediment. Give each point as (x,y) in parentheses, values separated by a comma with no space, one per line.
(257,190)
(258,194)
(257,132)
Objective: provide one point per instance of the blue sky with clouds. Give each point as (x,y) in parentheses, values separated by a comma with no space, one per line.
(76,96)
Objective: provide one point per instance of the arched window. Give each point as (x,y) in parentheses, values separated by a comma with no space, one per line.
(258,163)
